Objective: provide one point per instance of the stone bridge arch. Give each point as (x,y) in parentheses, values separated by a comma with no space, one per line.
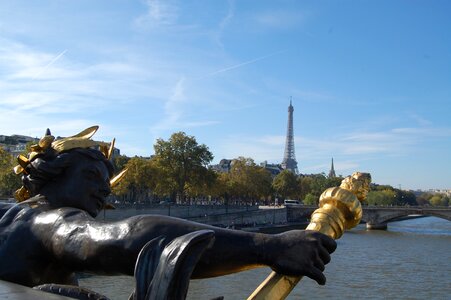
(375,217)
(378,217)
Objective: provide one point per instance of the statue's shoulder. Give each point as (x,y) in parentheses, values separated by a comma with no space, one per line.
(4,207)
(61,216)
(65,213)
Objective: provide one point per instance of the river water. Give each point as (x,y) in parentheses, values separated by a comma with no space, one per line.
(411,260)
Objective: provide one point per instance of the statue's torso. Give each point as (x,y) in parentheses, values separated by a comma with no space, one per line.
(23,259)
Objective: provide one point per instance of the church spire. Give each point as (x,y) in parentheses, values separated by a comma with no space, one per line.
(332,170)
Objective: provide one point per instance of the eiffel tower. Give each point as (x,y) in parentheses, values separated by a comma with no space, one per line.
(289,159)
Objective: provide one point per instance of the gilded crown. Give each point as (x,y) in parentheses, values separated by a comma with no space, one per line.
(80,140)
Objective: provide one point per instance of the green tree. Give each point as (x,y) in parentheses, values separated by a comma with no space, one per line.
(205,186)
(304,186)
(285,184)
(404,198)
(319,184)
(381,197)
(334,181)
(9,182)
(119,162)
(316,184)
(436,200)
(139,181)
(222,187)
(439,200)
(183,163)
(422,201)
(311,199)
(247,181)
(379,187)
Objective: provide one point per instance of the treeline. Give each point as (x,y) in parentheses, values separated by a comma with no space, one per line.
(9,181)
(180,172)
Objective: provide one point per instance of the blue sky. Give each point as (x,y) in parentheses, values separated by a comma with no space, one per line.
(370,80)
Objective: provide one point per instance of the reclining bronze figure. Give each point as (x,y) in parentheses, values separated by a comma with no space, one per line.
(52,233)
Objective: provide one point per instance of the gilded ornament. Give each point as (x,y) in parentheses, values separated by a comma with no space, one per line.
(339,209)
(80,140)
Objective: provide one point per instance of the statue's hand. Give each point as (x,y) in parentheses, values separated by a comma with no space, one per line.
(303,253)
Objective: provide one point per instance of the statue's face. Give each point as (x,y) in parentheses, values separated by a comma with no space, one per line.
(84,185)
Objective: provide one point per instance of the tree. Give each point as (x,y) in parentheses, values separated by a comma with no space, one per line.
(304,184)
(139,181)
(439,200)
(319,184)
(311,199)
(381,197)
(183,163)
(9,182)
(221,187)
(248,181)
(407,197)
(422,201)
(436,200)
(203,187)
(285,184)
(119,162)
(316,184)
(402,197)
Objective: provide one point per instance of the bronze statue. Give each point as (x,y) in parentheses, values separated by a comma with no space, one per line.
(52,234)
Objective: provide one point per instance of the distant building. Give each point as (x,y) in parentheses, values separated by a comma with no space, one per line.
(17,144)
(17,149)
(274,169)
(440,191)
(224,166)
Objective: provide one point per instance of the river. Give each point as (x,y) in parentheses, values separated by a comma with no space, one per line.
(411,260)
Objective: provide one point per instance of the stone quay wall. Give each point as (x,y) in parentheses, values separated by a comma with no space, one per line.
(218,215)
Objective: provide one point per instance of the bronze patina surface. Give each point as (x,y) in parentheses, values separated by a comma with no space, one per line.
(51,233)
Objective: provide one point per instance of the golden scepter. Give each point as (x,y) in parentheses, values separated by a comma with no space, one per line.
(339,209)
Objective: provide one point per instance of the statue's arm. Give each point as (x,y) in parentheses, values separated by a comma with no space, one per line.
(84,243)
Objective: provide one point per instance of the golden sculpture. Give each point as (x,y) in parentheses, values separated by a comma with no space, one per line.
(339,209)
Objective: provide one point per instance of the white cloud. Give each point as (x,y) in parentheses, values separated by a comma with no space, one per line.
(175,112)
(217,35)
(39,88)
(424,132)
(172,110)
(158,14)
(352,148)
(419,119)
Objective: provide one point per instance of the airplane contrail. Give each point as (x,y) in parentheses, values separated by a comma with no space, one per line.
(244,63)
(49,64)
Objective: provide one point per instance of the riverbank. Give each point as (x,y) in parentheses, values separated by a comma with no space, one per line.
(238,216)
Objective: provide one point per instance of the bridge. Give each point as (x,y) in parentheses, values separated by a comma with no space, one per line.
(375,217)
